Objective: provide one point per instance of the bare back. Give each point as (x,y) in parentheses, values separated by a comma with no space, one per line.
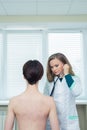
(31,111)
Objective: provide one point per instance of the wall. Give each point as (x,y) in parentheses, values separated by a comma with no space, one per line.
(49,18)
(82,112)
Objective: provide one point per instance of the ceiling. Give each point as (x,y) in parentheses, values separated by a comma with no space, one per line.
(43,7)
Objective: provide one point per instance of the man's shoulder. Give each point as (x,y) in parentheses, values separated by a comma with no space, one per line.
(49,99)
(14,99)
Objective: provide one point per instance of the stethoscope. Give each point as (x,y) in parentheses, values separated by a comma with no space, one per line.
(55,84)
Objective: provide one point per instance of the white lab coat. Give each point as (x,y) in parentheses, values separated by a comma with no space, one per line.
(64,98)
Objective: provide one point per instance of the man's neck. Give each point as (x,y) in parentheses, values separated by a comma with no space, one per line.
(33,87)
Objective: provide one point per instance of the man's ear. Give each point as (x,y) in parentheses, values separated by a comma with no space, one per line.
(23,77)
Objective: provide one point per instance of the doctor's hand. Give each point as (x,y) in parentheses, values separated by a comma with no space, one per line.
(66,68)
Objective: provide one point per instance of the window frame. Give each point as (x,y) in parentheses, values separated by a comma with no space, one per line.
(44,53)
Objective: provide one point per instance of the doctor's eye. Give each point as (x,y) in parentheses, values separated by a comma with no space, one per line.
(56,65)
(51,67)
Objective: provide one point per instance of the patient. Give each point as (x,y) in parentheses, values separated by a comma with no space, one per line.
(31,108)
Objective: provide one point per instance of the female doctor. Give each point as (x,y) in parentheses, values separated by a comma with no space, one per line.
(64,86)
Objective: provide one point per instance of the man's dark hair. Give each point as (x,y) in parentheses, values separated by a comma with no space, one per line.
(33,71)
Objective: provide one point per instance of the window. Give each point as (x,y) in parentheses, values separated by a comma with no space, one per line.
(1,49)
(0,52)
(70,44)
(19,46)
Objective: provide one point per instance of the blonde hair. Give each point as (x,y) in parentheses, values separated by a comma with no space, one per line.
(63,59)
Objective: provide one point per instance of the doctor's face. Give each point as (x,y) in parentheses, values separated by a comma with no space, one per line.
(56,66)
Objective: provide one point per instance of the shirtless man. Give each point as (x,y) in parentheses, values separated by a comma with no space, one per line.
(31,108)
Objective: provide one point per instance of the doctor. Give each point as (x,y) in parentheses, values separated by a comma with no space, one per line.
(64,86)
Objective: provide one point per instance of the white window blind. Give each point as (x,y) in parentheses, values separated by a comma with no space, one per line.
(21,47)
(1,64)
(17,47)
(0,50)
(70,44)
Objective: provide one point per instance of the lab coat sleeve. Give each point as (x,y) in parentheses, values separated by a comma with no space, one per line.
(76,86)
(69,80)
